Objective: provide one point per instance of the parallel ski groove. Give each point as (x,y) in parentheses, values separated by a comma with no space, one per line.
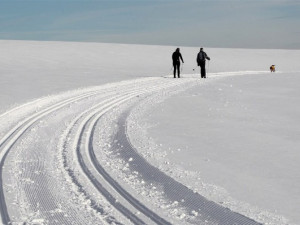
(16,132)
(101,189)
(175,191)
(104,105)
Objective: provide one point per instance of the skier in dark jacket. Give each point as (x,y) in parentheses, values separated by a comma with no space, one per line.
(201,58)
(176,62)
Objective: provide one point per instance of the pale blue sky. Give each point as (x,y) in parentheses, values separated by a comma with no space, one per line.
(209,23)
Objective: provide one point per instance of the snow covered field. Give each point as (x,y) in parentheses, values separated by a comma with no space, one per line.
(96,133)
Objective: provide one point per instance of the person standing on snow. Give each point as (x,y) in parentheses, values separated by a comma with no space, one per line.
(176,56)
(201,58)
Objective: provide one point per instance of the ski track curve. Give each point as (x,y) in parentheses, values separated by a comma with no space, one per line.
(103,109)
(80,167)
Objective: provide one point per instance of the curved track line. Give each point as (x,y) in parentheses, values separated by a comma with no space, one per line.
(11,138)
(61,103)
(85,169)
(22,106)
(89,175)
(173,190)
(16,132)
(136,203)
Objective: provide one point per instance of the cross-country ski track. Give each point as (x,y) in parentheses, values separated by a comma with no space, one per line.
(52,170)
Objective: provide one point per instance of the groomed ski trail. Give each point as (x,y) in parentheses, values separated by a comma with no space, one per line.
(88,193)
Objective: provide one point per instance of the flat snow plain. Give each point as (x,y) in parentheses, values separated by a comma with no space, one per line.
(70,112)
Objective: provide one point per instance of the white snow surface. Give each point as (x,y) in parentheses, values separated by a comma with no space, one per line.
(233,137)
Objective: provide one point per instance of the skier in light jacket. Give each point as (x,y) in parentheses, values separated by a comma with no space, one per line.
(201,58)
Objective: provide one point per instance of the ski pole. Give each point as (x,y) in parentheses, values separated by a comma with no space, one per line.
(208,66)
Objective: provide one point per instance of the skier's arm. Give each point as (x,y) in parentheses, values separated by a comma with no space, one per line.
(207,57)
(181,58)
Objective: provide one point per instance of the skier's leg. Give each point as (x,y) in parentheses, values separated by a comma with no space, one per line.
(174,71)
(204,71)
(202,66)
(200,70)
(178,70)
